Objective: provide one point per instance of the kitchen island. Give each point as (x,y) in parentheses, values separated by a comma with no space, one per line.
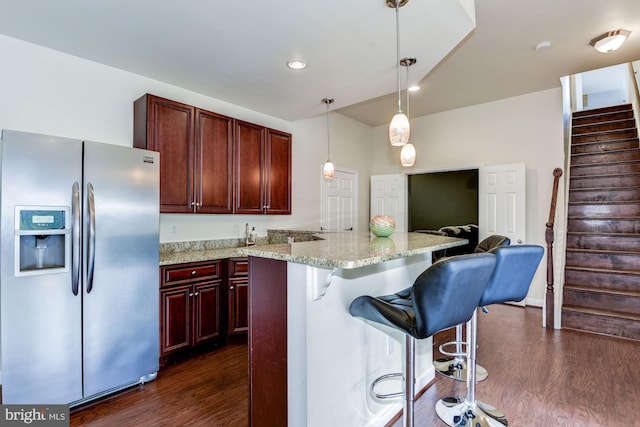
(311,362)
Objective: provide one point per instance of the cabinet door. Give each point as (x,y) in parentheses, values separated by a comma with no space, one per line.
(169,130)
(214,162)
(238,305)
(206,316)
(175,322)
(249,165)
(278,173)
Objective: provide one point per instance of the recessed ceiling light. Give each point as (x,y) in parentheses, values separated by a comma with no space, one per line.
(297,63)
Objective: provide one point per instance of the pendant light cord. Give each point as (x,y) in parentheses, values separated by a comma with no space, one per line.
(408,65)
(328,133)
(398,51)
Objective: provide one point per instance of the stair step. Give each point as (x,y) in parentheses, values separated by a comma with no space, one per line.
(606,146)
(607,260)
(604,181)
(604,241)
(604,225)
(603,117)
(620,302)
(604,136)
(605,169)
(604,209)
(602,279)
(624,194)
(632,154)
(601,322)
(603,127)
(602,110)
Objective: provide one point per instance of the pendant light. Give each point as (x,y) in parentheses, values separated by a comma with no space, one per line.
(399,127)
(408,153)
(328,169)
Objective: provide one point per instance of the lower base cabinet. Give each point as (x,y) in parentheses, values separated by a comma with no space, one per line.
(238,291)
(201,305)
(190,307)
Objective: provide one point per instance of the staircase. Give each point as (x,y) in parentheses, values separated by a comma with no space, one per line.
(602,274)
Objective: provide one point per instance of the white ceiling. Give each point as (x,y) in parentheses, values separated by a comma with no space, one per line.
(236,50)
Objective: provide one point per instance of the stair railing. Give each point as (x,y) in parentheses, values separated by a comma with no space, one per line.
(549,237)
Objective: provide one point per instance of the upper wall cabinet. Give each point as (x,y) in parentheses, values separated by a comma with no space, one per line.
(262,170)
(211,163)
(196,154)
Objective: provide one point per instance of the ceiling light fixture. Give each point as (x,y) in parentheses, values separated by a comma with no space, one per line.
(328,170)
(399,129)
(297,64)
(608,42)
(408,153)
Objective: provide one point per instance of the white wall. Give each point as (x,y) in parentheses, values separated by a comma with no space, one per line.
(45,91)
(526,128)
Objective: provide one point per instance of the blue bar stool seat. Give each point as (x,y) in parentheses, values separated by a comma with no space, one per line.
(444,295)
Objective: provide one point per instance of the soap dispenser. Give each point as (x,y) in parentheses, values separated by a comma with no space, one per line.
(253,236)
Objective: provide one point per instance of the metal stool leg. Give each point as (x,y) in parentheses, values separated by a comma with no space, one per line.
(409,379)
(467,411)
(456,368)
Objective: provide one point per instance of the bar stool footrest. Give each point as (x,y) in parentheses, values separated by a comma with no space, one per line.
(463,344)
(387,377)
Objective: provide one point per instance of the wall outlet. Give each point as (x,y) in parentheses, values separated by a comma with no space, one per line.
(390,345)
(174,229)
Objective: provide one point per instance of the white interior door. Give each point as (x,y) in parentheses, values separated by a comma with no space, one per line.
(339,202)
(502,202)
(389,197)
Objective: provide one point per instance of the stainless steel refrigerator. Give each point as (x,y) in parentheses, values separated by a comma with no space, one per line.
(79,268)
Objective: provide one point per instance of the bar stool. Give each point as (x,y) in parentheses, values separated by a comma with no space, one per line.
(444,295)
(510,281)
(455,368)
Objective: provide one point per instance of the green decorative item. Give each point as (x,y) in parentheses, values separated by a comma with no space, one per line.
(382,225)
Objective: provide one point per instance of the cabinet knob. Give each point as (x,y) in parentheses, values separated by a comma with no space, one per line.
(193,273)
(196,294)
(193,203)
(191,294)
(231,288)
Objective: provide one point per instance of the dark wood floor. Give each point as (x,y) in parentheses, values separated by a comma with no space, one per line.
(537,377)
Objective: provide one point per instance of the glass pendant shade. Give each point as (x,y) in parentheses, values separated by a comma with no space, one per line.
(408,155)
(399,129)
(328,170)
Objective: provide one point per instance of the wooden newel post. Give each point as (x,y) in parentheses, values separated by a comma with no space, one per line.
(549,237)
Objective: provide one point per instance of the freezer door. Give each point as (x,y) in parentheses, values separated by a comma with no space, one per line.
(120,310)
(40,315)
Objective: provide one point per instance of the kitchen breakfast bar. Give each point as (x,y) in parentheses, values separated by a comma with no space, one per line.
(311,363)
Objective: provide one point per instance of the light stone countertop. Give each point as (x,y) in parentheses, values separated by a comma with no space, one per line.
(352,250)
(198,255)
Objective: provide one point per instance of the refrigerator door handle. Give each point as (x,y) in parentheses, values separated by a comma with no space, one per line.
(91,251)
(75,237)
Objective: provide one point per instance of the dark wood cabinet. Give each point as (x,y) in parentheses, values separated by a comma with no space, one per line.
(190,312)
(278,173)
(196,154)
(262,170)
(238,296)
